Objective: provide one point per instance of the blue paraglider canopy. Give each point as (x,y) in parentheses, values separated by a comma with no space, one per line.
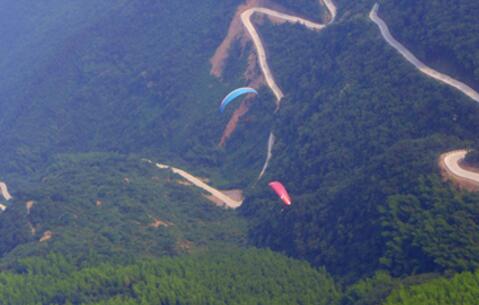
(234,94)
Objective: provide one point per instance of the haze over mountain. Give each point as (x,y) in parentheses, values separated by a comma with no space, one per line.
(95,94)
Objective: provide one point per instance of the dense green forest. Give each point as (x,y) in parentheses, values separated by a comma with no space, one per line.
(307,8)
(461,289)
(89,90)
(440,33)
(110,80)
(235,277)
(359,135)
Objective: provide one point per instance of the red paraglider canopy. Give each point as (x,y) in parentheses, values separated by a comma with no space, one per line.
(281,191)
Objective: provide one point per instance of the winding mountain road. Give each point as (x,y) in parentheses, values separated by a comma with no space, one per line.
(258,43)
(263,60)
(451,159)
(270,81)
(373,15)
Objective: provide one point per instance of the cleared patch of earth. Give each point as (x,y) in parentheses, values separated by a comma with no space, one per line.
(47,235)
(184,246)
(160,223)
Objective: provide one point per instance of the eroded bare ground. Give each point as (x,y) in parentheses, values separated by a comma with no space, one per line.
(234,120)
(255,79)
(47,235)
(252,74)
(236,31)
(184,246)
(160,223)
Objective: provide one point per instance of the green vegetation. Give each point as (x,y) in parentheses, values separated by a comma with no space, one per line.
(441,33)
(433,229)
(89,90)
(472,158)
(234,277)
(110,85)
(355,9)
(461,289)
(109,204)
(371,291)
(307,8)
(359,127)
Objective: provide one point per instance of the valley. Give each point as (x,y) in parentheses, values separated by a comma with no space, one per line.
(130,187)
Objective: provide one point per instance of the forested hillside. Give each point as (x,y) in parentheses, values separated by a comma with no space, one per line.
(109,85)
(359,136)
(461,289)
(441,33)
(91,91)
(244,277)
(115,206)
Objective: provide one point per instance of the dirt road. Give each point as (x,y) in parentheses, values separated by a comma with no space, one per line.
(451,162)
(263,62)
(415,61)
(451,159)
(4,190)
(269,154)
(268,75)
(228,201)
